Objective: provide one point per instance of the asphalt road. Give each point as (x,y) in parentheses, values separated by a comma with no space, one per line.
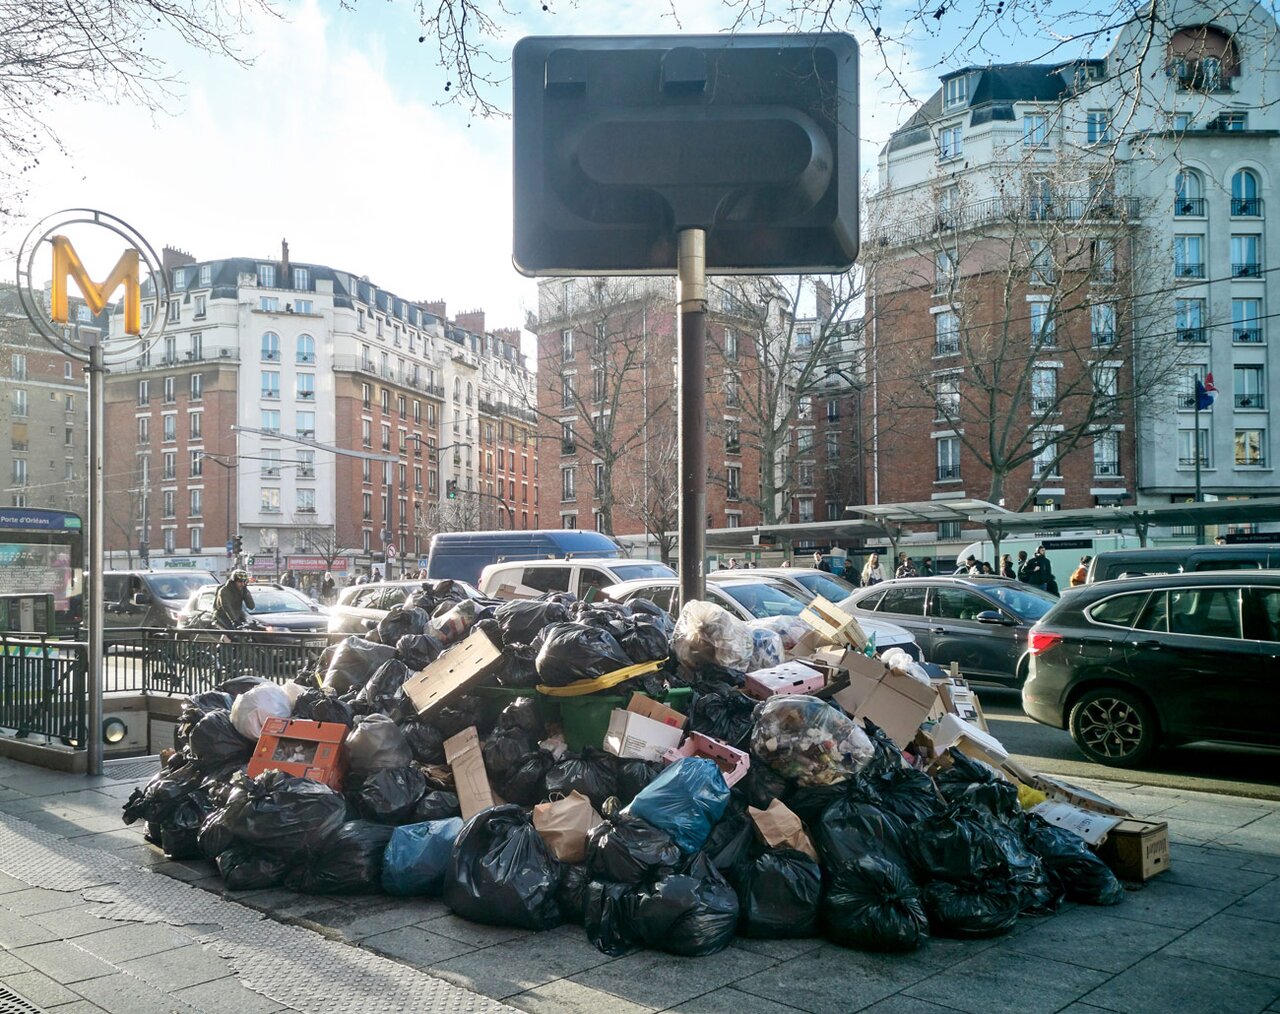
(1204,767)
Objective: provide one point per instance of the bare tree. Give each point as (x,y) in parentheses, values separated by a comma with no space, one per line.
(651,493)
(321,540)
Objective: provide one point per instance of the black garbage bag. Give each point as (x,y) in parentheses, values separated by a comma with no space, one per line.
(955,847)
(460,713)
(354,661)
(349,863)
(389,795)
(971,783)
(212,700)
(374,742)
(874,905)
(180,831)
(322,705)
(1036,891)
(214,742)
(646,641)
(973,908)
(526,784)
(722,713)
(156,800)
(849,830)
(1071,866)
(238,685)
(247,869)
(522,714)
(692,913)
(574,651)
(762,785)
(502,873)
(418,650)
(521,620)
(634,775)
(909,795)
(504,751)
(605,919)
(192,712)
(628,850)
(402,621)
(435,804)
(518,669)
(424,740)
(779,895)
(592,772)
(572,893)
(385,690)
(215,835)
(732,844)
(286,815)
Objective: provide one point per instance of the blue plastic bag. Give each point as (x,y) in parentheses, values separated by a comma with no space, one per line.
(418,855)
(686,801)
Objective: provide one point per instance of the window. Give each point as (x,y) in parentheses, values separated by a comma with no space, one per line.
(1106,380)
(1188,256)
(1187,448)
(950,143)
(1187,385)
(270,502)
(306,501)
(206,274)
(144,430)
(271,384)
(175,311)
(196,424)
(955,92)
(1045,464)
(804,509)
(267,276)
(386,437)
(804,338)
(731,398)
(957,604)
(170,427)
(271,347)
(944,272)
(833,411)
(271,421)
(1233,121)
(1249,386)
(597,484)
(170,540)
(732,437)
(168,466)
(306,387)
(1044,390)
(598,384)
(1039,197)
(1035,130)
(1098,126)
(1246,321)
(566,484)
(306,349)
(903,601)
(1188,321)
(169,503)
(18,363)
(1244,194)
(733,483)
(804,409)
(804,441)
(1181,122)
(197,386)
(947,397)
(201,307)
(269,304)
(301,278)
(1246,256)
(948,458)
(1102,323)
(196,536)
(1188,194)
(568,442)
(1205,612)
(730,345)
(1042,324)
(566,391)
(1251,447)
(385,396)
(170,349)
(566,345)
(1106,454)
(197,503)
(19,471)
(946,335)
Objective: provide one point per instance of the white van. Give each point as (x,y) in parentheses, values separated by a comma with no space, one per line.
(585,577)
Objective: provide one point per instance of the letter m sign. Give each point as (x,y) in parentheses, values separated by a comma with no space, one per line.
(66,263)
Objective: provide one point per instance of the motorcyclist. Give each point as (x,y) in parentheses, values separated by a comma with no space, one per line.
(234,600)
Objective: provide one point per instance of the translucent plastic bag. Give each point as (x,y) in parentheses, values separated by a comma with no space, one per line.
(251,710)
(790,628)
(706,634)
(807,740)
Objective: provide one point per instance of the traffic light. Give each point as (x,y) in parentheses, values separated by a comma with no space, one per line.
(237,544)
(451,489)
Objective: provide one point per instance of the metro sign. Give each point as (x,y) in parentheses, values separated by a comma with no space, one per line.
(67,264)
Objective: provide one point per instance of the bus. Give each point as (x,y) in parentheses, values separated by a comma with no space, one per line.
(42,553)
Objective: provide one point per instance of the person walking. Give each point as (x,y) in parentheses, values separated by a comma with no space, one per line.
(1080,573)
(1022,569)
(926,567)
(905,567)
(328,590)
(821,563)
(872,572)
(1006,567)
(969,568)
(1039,572)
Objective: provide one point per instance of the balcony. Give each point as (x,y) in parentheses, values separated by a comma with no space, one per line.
(1247,269)
(1011,210)
(1191,336)
(1255,400)
(1103,338)
(948,472)
(1188,207)
(1188,270)
(306,510)
(305,472)
(1246,207)
(269,508)
(306,395)
(1106,468)
(568,447)
(1191,462)
(1247,336)
(306,359)
(271,355)
(733,494)
(188,358)
(271,394)
(270,472)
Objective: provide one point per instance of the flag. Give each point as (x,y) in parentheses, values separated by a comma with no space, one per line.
(1205,393)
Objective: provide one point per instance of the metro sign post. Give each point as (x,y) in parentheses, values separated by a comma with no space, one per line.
(51,322)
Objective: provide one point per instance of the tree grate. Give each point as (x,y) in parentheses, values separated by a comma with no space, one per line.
(15,1003)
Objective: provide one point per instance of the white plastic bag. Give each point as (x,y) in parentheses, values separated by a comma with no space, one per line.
(791,629)
(251,709)
(707,634)
(896,658)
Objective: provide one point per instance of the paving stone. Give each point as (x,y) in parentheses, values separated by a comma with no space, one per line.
(564,996)
(39,989)
(472,933)
(64,961)
(10,884)
(903,1004)
(1232,815)
(416,946)
(1264,903)
(227,995)
(366,921)
(133,941)
(780,950)
(657,980)
(1170,904)
(69,923)
(177,969)
(78,1007)
(990,983)
(1261,864)
(1162,983)
(19,931)
(131,994)
(183,871)
(1233,942)
(1215,878)
(518,965)
(36,899)
(728,1000)
(11,964)
(1204,856)
(1092,938)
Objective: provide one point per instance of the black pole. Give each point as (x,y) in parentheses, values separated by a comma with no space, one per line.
(691,296)
(1199,491)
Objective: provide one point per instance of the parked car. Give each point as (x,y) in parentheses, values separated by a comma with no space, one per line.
(981,623)
(361,606)
(277,608)
(1118,563)
(808,581)
(1131,666)
(149,598)
(751,598)
(463,555)
(585,577)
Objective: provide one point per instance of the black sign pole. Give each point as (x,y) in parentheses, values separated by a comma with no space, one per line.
(691,297)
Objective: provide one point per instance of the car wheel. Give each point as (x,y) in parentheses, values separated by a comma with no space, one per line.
(1114,727)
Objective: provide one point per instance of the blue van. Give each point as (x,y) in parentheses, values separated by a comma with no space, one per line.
(462,555)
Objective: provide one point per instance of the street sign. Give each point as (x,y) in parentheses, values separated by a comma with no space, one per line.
(231,548)
(391,551)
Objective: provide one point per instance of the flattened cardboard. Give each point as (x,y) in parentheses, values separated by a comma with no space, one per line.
(470,780)
(1137,849)
(458,668)
(805,645)
(642,704)
(633,735)
(1064,792)
(1092,827)
(894,700)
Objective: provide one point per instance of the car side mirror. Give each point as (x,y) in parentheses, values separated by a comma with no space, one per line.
(142,598)
(995,618)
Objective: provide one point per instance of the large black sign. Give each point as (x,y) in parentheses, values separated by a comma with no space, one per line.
(620,143)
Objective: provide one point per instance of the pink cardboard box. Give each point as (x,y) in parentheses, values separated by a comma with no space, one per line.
(788,678)
(732,763)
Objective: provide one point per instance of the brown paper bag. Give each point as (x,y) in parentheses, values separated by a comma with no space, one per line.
(778,827)
(564,823)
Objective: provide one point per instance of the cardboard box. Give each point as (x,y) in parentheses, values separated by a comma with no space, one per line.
(1136,849)
(788,678)
(298,746)
(643,704)
(1064,792)
(833,624)
(462,666)
(470,780)
(733,763)
(956,697)
(805,645)
(893,700)
(1090,826)
(633,735)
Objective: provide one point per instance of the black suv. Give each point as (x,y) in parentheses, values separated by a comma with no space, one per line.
(1131,665)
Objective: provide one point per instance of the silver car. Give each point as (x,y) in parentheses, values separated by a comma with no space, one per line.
(361,606)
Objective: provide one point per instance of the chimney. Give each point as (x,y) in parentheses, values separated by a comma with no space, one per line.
(472,320)
(437,308)
(285,275)
(822,296)
(172,257)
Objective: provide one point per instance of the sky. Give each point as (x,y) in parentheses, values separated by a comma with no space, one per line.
(336,140)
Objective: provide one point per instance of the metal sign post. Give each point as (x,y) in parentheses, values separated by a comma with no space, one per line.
(97,547)
(691,416)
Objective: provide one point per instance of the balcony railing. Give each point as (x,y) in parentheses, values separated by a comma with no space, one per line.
(1011,210)
(1246,207)
(1256,400)
(1247,335)
(1247,269)
(271,355)
(946,347)
(306,395)
(1106,467)
(946,472)
(1103,338)
(306,510)
(1191,336)
(1188,207)
(1186,269)
(1190,462)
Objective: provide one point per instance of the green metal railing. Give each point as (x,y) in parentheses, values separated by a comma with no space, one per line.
(43,689)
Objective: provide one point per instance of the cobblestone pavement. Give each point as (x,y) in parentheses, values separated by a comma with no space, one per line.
(92,918)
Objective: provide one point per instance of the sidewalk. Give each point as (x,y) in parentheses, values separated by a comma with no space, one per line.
(92,918)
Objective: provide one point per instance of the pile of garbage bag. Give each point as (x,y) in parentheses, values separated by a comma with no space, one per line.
(832,829)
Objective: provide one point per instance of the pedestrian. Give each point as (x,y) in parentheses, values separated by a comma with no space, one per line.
(905,567)
(969,567)
(1039,572)
(328,590)
(786,563)
(1006,567)
(1080,573)
(926,567)
(821,563)
(985,569)
(733,563)
(1022,568)
(233,601)
(872,573)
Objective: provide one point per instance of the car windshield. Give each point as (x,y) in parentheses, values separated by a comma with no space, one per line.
(829,586)
(177,586)
(640,571)
(278,600)
(1026,603)
(763,600)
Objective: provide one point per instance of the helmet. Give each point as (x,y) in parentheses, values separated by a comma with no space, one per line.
(239,574)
